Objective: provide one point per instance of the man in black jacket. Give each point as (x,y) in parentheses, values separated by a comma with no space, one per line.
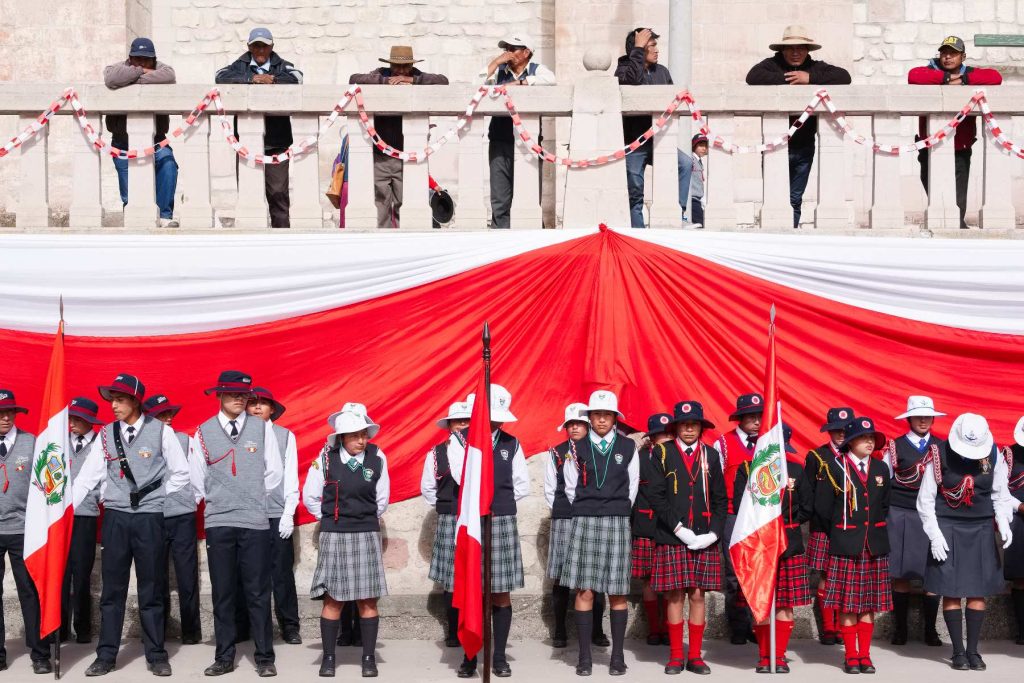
(262,66)
(792,65)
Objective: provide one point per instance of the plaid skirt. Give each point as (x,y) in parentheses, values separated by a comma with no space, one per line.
(793,587)
(349,567)
(506,555)
(858,584)
(676,567)
(817,551)
(558,545)
(442,557)
(598,555)
(642,559)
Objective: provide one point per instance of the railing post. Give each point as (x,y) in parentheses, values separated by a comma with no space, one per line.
(721,209)
(305,211)
(415,212)
(251,211)
(832,212)
(887,197)
(141,210)
(776,212)
(361,212)
(470,207)
(997,205)
(86,209)
(33,205)
(193,207)
(942,213)
(526,211)
(666,211)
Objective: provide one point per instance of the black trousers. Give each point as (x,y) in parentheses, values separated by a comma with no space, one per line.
(738,616)
(13,545)
(132,537)
(275,180)
(76,606)
(239,562)
(282,580)
(180,548)
(962,174)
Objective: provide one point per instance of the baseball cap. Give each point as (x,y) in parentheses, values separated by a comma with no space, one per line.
(261,35)
(955,43)
(142,47)
(521,40)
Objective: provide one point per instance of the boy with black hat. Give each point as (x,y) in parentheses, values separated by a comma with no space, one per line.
(1013,557)
(77,601)
(907,540)
(644,524)
(180,541)
(237,466)
(17,453)
(140,462)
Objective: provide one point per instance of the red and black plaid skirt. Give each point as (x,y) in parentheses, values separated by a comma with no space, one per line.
(858,584)
(642,558)
(793,588)
(676,567)
(817,551)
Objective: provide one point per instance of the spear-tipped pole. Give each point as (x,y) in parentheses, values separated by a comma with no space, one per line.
(486,523)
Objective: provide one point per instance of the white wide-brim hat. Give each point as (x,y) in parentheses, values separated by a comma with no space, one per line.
(603,399)
(1018,432)
(460,410)
(970,437)
(920,406)
(575,412)
(501,402)
(357,408)
(350,423)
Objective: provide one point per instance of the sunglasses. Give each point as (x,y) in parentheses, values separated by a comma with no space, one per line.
(514,48)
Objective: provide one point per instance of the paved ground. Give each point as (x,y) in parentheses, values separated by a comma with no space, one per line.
(419,661)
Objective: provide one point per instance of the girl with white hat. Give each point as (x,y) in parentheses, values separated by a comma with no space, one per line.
(440,491)
(601,488)
(963,488)
(347,489)
(909,545)
(1013,558)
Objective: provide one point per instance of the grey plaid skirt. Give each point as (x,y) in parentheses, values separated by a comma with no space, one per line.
(442,559)
(349,567)
(506,556)
(598,557)
(558,544)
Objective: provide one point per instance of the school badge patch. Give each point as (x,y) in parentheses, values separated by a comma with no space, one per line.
(145,453)
(504,454)
(879,480)
(367,474)
(618,458)
(250,447)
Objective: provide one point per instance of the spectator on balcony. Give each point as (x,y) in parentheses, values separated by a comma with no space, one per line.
(639,66)
(792,65)
(142,68)
(387,171)
(948,69)
(692,178)
(262,66)
(513,67)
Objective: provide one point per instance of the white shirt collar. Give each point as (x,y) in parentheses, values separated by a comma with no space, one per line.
(608,438)
(137,424)
(264,68)
(225,421)
(346,456)
(682,446)
(857,461)
(918,440)
(10,437)
(86,438)
(744,436)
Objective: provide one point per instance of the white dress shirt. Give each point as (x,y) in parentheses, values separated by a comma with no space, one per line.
(9,438)
(1003,504)
(313,489)
(290,474)
(273,469)
(550,478)
(520,475)
(572,474)
(86,438)
(428,482)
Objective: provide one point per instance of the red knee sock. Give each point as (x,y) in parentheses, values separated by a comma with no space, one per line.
(783,630)
(865,629)
(696,640)
(849,634)
(675,642)
(828,614)
(653,619)
(763,642)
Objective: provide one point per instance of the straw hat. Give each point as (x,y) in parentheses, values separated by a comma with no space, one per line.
(795,35)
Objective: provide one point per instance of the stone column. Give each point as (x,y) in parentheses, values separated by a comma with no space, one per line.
(86,209)
(193,205)
(526,211)
(251,211)
(305,211)
(997,205)
(362,211)
(415,212)
(942,213)
(721,209)
(470,207)
(776,212)
(141,211)
(887,197)
(33,203)
(832,212)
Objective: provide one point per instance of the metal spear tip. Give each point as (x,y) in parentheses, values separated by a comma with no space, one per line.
(487,334)
(771,314)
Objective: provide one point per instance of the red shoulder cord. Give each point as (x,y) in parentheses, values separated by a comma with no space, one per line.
(206,454)
(7,482)
(909,477)
(1016,483)
(437,476)
(958,496)
(106,451)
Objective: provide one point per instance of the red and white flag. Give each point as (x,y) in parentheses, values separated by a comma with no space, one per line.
(759,537)
(475,495)
(49,513)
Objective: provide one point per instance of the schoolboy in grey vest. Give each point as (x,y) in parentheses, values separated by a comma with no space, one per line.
(138,460)
(17,453)
(236,463)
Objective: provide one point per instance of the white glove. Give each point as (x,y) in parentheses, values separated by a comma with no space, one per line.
(286,527)
(703,541)
(1004,532)
(940,548)
(685,535)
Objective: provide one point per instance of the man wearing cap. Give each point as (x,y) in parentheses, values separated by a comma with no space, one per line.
(142,68)
(139,461)
(659,430)
(909,557)
(1013,557)
(387,170)
(692,177)
(17,454)
(77,601)
(792,65)
(237,466)
(948,68)
(180,546)
(737,448)
(439,490)
(262,66)
(512,67)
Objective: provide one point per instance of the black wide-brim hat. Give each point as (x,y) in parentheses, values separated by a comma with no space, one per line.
(859,426)
(442,206)
(8,402)
(747,404)
(837,418)
(687,411)
(231,382)
(84,409)
(267,395)
(126,384)
(658,423)
(158,405)
(787,434)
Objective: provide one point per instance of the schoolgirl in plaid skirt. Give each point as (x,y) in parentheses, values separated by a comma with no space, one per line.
(347,489)
(854,500)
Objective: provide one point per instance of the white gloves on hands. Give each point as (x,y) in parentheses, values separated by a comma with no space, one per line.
(940,548)
(1004,532)
(685,535)
(286,527)
(703,541)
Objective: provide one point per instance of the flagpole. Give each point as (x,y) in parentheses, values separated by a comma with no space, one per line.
(56,634)
(486,524)
(771,614)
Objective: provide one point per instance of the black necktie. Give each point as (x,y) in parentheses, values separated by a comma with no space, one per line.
(689,451)
(862,470)
(80,444)
(234,429)
(131,434)
(3,449)
(751,442)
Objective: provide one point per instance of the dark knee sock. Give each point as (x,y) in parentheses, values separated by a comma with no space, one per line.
(975,618)
(929,612)
(452,615)
(329,635)
(368,627)
(585,631)
(502,620)
(598,612)
(618,618)
(900,607)
(346,617)
(954,624)
(560,607)
(1017,595)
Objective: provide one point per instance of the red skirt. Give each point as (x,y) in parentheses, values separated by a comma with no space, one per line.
(676,567)
(855,585)
(642,558)
(817,551)
(793,588)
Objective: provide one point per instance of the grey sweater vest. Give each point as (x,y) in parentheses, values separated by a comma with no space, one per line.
(18,469)
(236,495)
(146,458)
(275,498)
(90,507)
(182,502)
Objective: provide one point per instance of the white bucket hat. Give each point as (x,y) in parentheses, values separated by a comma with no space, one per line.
(1018,432)
(357,408)
(501,401)
(920,406)
(970,437)
(460,410)
(348,422)
(603,399)
(574,412)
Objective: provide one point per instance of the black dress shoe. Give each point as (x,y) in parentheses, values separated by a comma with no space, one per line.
(664,639)
(192,639)
(763,667)
(43,666)
(654,639)
(698,666)
(851,666)
(584,668)
(931,638)
(738,639)
(292,637)
(468,668)
(327,666)
(781,666)
(617,668)
(600,640)
(674,667)
(345,638)
(975,661)
(162,668)
(751,636)
(866,667)
(899,637)
(219,668)
(99,667)
(369,666)
(83,638)
(959,663)
(266,670)
(559,642)
(501,668)
(452,642)
(828,638)
(3,664)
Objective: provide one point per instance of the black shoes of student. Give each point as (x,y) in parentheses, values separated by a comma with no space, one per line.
(781,666)
(674,667)
(654,639)
(738,638)
(266,670)
(975,662)
(218,668)
(327,666)
(931,638)
(369,666)
(99,667)
(899,636)
(42,666)
(764,666)
(600,640)
(467,669)
(698,666)
(617,667)
(866,667)
(190,639)
(584,668)
(452,641)
(851,666)
(828,638)
(560,640)
(959,663)
(162,668)
(292,637)
(501,668)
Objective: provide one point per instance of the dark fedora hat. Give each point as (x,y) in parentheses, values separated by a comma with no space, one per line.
(859,426)
(158,405)
(748,404)
(126,384)
(442,205)
(686,411)
(267,395)
(837,419)
(85,409)
(231,382)
(8,402)
(658,423)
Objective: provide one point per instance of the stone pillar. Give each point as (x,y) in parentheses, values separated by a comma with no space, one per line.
(526,211)
(942,213)
(361,212)
(305,211)
(470,207)
(251,211)
(33,203)
(141,210)
(776,212)
(997,205)
(415,211)
(832,212)
(721,209)
(887,197)
(192,203)
(86,209)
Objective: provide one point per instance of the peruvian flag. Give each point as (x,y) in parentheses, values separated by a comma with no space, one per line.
(49,513)
(475,495)
(759,537)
